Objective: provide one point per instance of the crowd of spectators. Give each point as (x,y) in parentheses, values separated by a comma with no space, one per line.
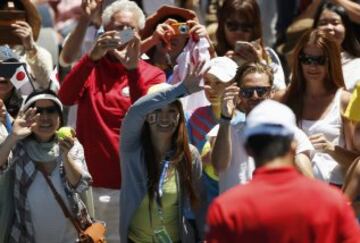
(190,120)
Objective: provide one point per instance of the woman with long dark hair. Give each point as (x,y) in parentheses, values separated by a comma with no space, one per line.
(160,170)
(240,20)
(317,97)
(335,21)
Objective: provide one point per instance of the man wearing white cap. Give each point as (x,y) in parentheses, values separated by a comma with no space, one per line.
(279,205)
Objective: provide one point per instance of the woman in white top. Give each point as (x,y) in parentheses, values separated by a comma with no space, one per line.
(335,21)
(31,147)
(317,98)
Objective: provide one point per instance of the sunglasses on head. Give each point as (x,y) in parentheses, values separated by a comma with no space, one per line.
(47,110)
(233,26)
(249,92)
(308,60)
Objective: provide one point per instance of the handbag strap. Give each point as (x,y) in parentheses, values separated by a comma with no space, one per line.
(60,200)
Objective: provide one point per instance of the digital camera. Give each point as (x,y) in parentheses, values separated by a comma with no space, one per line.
(180,28)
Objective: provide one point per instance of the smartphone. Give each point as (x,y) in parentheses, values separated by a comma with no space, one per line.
(241,45)
(180,28)
(126,35)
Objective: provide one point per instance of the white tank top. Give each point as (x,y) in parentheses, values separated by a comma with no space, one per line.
(324,166)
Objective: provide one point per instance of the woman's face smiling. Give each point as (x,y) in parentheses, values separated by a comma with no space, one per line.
(331,22)
(48,122)
(164,121)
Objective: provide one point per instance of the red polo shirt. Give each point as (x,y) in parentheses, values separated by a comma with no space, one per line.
(101,90)
(278,206)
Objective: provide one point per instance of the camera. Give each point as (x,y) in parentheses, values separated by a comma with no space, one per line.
(126,35)
(180,28)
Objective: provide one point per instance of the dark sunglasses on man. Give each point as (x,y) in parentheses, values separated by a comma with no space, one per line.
(315,60)
(233,26)
(260,91)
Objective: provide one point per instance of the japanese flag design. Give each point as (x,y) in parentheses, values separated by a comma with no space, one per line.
(19,78)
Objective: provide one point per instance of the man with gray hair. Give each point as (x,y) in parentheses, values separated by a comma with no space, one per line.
(104,83)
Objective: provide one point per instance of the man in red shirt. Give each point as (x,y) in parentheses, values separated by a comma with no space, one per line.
(279,205)
(104,83)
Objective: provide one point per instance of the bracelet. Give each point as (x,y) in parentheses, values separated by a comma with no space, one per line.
(226,118)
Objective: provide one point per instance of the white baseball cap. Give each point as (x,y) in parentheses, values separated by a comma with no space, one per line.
(270,118)
(223,68)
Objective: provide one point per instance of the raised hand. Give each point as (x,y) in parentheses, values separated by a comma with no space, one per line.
(164,32)
(197,30)
(66,144)
(24,31)
(250,52)
(129,56)
(229,100)
(320,143)
(106,42)
(193,77)
(91,8)
(23,124)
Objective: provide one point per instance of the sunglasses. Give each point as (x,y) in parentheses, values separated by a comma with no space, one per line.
(155,117)
(249,92)
(233,26)
(48,110)
(315,60)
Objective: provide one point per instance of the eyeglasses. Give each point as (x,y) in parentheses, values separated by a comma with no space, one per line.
(315,60)
(48,110)
(249,92)
(233,26)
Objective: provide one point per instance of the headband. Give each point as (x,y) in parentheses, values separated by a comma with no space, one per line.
(35,98)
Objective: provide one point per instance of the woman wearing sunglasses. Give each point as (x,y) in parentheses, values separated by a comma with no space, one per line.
(160,170)
(317,97)
(335,21)
(239,20)
(34,152)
